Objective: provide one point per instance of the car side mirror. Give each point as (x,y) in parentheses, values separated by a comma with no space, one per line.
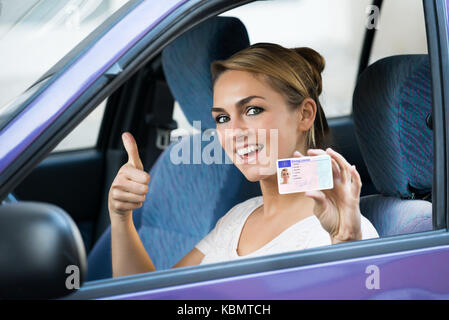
(42,254)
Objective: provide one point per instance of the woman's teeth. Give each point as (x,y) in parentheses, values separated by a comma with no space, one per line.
(252,148)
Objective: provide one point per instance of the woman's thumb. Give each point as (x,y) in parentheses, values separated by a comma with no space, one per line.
(133,152)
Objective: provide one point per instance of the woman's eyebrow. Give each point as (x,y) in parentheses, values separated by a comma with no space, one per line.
(239,104)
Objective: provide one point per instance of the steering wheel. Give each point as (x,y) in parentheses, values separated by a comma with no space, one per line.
(10,198)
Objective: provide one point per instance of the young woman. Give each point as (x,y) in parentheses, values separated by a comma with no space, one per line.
(264,87)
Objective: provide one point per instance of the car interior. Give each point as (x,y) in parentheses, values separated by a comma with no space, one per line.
(388,137)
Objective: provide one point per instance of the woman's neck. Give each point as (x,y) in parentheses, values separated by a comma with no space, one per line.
(275,204)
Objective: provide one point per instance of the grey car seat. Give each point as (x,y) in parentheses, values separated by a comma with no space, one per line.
(392,102)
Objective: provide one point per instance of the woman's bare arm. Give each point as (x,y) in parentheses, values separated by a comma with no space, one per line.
(127,193)
(128,253)
(193,258)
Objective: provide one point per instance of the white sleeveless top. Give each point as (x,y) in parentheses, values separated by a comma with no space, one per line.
(221,243)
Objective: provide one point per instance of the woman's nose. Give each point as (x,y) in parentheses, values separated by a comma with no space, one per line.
(239,133)
(237,124)
(237,129)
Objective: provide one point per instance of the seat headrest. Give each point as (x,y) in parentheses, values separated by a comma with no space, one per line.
(186,63)
(391,102)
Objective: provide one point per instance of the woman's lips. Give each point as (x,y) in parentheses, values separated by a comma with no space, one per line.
(248,154)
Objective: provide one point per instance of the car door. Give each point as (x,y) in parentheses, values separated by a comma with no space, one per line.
(404,266)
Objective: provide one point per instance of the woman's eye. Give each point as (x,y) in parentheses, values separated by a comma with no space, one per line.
(253,110)
(249,111)
(221,119)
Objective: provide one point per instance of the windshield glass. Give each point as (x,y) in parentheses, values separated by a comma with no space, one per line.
(36,34)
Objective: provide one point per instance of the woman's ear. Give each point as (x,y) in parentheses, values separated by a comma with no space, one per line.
(306,114)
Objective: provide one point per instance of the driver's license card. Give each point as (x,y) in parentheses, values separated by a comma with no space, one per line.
(304,174)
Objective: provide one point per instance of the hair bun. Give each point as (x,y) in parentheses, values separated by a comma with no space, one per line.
(313,57)
(316,62)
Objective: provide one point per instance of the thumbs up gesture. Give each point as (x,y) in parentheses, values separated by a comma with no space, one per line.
(130,186)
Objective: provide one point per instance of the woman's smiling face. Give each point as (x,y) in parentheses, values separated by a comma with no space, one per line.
(248,113)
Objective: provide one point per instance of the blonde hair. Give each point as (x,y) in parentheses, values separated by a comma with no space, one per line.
(295,73)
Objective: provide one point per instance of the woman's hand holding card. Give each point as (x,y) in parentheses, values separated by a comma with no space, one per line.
(338,208)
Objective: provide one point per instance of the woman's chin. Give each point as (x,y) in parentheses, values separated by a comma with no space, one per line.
(256,173)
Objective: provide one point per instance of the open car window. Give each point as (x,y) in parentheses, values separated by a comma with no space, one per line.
(338,40)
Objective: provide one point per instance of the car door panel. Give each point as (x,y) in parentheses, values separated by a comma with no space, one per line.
(415,274)
(72,180)
(369,269)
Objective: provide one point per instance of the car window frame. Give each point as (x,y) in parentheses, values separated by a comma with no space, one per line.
(438,47)
(437,38)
